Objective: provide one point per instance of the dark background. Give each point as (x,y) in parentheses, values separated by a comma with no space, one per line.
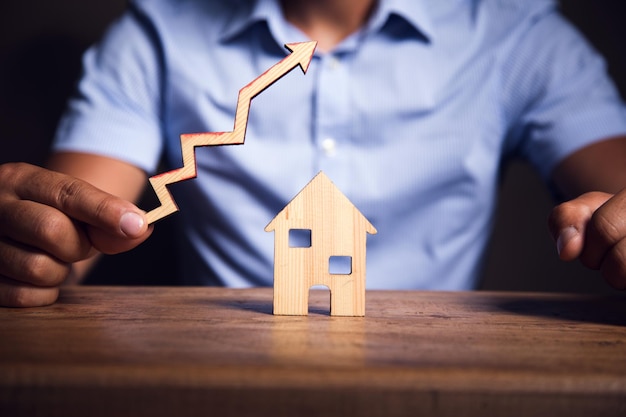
(40,47)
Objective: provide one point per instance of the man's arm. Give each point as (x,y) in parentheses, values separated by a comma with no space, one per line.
(50,220)
(592,226)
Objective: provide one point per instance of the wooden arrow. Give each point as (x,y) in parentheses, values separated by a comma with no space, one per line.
(301,55)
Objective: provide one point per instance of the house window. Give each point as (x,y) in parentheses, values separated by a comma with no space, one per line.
(299,238)
(340,265)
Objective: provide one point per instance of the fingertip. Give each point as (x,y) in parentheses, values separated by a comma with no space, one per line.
(133,230)
(133,224)
(569,243)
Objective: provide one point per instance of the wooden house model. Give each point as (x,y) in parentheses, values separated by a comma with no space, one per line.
(319,239)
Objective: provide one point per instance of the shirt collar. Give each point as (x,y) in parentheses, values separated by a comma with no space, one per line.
(245,17)
(413,12)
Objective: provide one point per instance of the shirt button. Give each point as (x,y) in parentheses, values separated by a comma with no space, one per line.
(334,63)
(329,146)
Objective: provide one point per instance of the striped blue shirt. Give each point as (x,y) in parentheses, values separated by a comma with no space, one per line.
(412,117)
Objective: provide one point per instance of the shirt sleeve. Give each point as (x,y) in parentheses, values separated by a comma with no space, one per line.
(116,110)
(560,97)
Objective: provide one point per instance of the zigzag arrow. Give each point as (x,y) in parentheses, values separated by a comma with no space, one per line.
(301,55)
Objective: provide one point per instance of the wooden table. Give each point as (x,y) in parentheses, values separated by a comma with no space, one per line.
(130,351)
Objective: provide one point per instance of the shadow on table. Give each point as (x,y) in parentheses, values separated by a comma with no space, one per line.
(319,303)
(266,307)
(598,309)
(258,306)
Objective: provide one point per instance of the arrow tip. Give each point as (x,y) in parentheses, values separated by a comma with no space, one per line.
(303,52)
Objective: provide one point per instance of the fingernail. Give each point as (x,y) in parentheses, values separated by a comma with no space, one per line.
(131,224)
(565,236)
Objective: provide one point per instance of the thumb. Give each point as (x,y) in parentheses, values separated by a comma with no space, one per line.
(568,223)
(132,224)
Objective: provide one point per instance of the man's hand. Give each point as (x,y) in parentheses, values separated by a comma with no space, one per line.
(50,220)
(592,228)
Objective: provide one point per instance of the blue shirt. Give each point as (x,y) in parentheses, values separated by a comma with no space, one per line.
(412,118)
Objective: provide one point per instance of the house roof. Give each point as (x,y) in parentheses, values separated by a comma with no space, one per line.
(318,198)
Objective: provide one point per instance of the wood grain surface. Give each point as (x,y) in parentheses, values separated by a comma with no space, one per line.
(130,351)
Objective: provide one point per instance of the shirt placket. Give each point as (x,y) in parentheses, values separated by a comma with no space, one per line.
(332,118)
